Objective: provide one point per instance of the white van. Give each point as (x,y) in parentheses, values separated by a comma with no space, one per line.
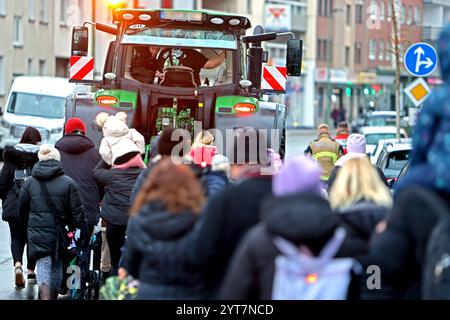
(38,102)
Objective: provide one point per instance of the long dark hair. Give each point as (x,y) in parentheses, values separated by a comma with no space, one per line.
(31,136)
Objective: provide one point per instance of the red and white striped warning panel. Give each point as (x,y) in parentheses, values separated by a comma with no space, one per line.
(81,68)
(274,78)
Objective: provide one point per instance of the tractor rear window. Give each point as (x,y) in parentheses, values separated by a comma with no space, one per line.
(180,38)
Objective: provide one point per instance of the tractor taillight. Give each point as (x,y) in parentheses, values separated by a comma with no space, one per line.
(107,100)
(244,107)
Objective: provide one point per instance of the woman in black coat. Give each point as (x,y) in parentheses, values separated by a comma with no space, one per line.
(35,212)
(164,214)
(22,157)
(118,183)
(361,201)
(297,213)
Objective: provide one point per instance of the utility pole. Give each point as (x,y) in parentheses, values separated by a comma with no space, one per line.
(329,58)
(397,64)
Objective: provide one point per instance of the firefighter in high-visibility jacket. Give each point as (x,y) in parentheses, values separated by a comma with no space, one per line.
(325,150)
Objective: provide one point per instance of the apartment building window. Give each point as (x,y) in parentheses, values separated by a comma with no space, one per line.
(410,15)
(358,53)
(43,11)
(18,31)
(372,49)
(319,49)
(249,6)
(381,51)
(331,8)
(325,8)
(389,10)
(358,13)
(388,50)
(373,9)
(417,16)
(32,10)
(319,8)
(42,67)
(402,19)
(2,7)
(382,10)
(349,14)
(63,12)
(347,56)
(30,66)
(2,76)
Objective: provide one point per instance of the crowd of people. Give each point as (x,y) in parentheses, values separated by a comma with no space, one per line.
(202,225)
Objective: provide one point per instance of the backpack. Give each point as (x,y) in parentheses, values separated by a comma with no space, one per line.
(20,176)
(436,270)
(299,276)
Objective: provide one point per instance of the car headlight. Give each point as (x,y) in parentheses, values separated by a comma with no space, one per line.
(5,124)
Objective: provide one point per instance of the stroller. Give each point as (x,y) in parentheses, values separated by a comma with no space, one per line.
(88,262)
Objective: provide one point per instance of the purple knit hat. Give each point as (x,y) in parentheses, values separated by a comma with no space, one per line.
(356,143)
(299,174)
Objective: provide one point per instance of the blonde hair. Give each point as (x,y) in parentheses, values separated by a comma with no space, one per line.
(358,180)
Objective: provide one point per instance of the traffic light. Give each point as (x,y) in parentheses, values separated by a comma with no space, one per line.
(348,92)
(366,91)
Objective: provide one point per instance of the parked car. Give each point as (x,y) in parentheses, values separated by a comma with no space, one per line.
(392,159)
(375,155)
(375,134)
(403,172)
(377,119)
(38,102)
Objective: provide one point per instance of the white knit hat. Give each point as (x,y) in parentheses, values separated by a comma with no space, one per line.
(47,152)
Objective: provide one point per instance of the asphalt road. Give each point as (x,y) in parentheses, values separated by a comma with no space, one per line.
(297,140)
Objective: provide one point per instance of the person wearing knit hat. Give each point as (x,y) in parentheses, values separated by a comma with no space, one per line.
(47,153)
(46,194)
(356,148)
(79,156)
(75,126)
(299,174)
(297,213)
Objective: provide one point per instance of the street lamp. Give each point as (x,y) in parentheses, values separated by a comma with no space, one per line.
(330,44)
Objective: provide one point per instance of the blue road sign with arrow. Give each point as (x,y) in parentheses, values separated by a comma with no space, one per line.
(420,59)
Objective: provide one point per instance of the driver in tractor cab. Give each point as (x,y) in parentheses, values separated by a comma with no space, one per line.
(186,57)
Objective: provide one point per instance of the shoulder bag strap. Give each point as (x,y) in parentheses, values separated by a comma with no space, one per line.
(60,235)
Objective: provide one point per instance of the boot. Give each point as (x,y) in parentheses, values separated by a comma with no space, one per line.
(47,293)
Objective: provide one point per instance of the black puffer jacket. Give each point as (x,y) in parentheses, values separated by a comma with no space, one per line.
(35,212)
(400,250)
(213,181)
(360,221)
(118,185)
(302,219)
(79,158)
(22,156)
(156,254)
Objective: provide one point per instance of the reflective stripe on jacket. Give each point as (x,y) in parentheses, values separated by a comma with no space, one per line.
(326,151)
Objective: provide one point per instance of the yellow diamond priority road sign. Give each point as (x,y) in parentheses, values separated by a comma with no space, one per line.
(418,91)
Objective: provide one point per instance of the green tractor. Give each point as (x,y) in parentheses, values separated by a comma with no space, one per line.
(187,69)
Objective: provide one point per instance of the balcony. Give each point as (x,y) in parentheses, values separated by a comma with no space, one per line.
(431,33)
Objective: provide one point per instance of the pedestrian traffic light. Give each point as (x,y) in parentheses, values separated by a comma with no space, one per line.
(348,92)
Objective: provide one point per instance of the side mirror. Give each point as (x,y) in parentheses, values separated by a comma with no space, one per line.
(294,58)
(80,41)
